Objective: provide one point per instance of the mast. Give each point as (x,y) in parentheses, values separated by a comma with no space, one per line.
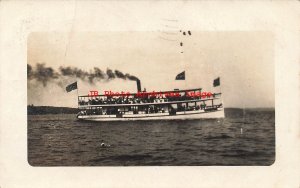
(77,94)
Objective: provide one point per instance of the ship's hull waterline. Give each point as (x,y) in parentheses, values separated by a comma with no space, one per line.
(196,114)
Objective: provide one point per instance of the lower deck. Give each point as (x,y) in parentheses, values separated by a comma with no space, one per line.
(195,114)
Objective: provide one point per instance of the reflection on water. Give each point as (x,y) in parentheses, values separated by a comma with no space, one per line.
(240,139)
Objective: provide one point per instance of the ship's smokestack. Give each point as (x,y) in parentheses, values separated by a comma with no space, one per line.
(138,84)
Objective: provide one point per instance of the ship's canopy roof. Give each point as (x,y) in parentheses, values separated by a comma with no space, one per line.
(149,92)
(148,104)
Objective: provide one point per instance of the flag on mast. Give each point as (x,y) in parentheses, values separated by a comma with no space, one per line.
(71,87)
(180,76)
(216,82)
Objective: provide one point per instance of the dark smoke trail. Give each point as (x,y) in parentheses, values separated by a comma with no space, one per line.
(110,74)
(44,74)
(98,74)
(119,74)
(29,72)
(73,72)
(131,77)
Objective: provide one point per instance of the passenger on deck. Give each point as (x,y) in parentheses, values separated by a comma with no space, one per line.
(97,101)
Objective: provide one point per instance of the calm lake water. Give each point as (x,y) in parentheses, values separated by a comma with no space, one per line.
(244,137)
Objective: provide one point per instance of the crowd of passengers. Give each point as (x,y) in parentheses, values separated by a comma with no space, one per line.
(148,110)
(130,100)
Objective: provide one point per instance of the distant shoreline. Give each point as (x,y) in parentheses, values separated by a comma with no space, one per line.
(43,110)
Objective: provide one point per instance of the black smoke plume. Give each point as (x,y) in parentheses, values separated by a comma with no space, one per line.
(44,74)
(29,72)
(119,74)
(131,77)
(110,74)
(41,73)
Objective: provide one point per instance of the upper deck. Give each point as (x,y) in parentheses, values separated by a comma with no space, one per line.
(135,94)
(147,98)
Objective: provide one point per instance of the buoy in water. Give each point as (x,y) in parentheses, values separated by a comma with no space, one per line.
(104,145)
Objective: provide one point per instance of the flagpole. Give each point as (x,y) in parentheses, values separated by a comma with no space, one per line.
(77,93)
(221,93)
(220,85)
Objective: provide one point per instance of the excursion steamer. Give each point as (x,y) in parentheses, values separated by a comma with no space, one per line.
(166,105)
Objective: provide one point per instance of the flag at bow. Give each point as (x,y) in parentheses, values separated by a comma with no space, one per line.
(180,76)
(71,87)
(217,82)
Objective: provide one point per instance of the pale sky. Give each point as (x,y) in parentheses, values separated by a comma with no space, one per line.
(243,61)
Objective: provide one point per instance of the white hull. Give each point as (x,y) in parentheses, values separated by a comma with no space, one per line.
(196,114)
